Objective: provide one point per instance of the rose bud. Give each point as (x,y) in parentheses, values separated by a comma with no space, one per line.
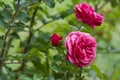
(55,39)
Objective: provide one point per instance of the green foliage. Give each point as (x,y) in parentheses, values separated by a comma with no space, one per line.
(115,3)
(50,3)
(97,70)
(28,53)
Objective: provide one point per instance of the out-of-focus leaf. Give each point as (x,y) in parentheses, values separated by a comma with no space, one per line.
(40,67)
(6,13)
(50,3)
(19,56)
(116,75)
(37,77)
(60,1)
(114,3)
(105,77)
(2,3)
(24,78)
(54,66)
(75,2)
(51,77)
(15,35)
(91,73)
(23,16)
(57,57)
(61,67)
(3,23)
(19,26)
(97,70)
(3,77)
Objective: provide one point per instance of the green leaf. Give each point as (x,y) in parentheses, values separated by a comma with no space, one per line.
(23,16)
(57,57)
(15,35)
(116,75)
(39,67)
(97,70)
(6,14)
(91,73)
(19,56)
(114,3)
(50,3)
(58,67)
(51,77)
(105,77)
(3,23)
(1,3)
(54,66)
(25,78)
(60,1)
(37,77)
(75,2)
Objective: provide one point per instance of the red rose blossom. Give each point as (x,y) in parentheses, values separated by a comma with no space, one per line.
(55,39)
(81,48)
(87,14)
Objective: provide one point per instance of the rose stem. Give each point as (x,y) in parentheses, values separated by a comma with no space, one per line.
(80,26)
(80,74)
(67,75)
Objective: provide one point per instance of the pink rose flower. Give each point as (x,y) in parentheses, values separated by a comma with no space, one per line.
(87,14)
(55,39)
(81,48)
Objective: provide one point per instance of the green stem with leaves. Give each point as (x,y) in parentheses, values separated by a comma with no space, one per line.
(80,74)
(67,75)
(81,26)
(28,41)
(29,38)
(4,45)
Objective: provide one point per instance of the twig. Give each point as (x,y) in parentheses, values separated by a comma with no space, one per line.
(81,26)
(7,33)
(67,75)
(47,64)
(80,74)
(8,45)
(9,28)
(29,38)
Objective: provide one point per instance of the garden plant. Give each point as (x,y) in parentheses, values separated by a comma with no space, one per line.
(59,40)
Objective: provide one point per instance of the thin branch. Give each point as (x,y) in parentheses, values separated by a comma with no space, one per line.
(8,45)
(9,28)
(30,31)
(67,75)
(7,33)
(48,66)
(80,74)
(29,37)
(28,41)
